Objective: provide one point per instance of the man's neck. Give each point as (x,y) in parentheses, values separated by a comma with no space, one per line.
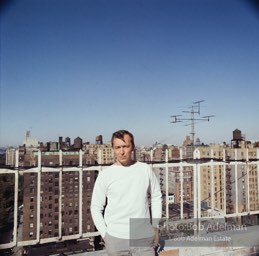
(131,162)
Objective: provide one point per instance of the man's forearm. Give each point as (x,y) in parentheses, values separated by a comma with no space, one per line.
(99,222)
(156,236)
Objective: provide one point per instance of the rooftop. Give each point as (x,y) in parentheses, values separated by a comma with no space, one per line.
(244,180)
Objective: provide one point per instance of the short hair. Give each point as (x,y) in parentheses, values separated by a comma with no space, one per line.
(120,135)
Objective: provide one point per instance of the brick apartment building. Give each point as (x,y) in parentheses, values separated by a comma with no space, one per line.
(50,205)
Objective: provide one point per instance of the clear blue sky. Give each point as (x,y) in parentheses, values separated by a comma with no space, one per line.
(89,67)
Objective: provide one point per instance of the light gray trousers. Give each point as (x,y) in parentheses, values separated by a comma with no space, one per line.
(128,247)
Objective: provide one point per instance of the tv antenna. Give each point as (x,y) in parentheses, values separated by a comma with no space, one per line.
(195,109)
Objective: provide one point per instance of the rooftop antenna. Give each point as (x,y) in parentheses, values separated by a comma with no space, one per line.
(195,109)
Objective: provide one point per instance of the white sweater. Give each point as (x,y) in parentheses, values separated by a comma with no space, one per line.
(126,189)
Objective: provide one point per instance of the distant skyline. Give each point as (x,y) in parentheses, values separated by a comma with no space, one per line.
(82,68)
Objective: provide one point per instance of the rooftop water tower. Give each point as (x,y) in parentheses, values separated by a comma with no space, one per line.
(99,139)
(237,138)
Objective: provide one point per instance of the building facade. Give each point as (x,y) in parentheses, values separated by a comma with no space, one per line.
(59,204)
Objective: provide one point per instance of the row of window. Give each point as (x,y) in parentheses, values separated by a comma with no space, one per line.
(54,233)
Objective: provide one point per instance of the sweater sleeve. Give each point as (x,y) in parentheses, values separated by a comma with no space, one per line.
(98,203)
(156,200)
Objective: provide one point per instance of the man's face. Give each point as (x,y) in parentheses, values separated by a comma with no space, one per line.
(122,150)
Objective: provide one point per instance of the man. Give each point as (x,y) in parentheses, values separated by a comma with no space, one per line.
(127,186)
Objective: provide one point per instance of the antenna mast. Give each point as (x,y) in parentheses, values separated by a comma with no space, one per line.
(195,109)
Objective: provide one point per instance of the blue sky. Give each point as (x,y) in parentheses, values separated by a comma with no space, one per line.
(89,67)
